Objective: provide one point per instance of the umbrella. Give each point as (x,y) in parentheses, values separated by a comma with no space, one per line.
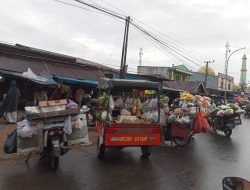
(239,99)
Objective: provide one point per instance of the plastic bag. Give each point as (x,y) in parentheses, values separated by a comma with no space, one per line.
(154,117)
(71,104)
(104,116)
(144,106)
(67,125)
(128,103)
(125,112)
(119,103)
(153,104)
(111,103)
(183,104)
(24,129)
(10,145)
(201,124)
(78,123)
(172,118)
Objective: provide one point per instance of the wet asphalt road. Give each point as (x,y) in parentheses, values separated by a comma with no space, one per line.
(200,166)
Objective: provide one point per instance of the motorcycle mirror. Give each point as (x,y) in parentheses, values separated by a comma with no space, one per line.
(235,183)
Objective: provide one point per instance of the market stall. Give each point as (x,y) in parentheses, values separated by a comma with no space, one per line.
(50,129)
(129,115)
(186,117)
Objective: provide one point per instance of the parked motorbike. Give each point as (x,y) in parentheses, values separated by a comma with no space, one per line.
(235,183)
(55,144)
(224,124)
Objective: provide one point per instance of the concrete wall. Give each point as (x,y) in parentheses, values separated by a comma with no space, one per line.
(222,82)
(164,71)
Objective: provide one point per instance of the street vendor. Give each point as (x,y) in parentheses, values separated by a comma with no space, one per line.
(11,103)
(212,106)
(79,96)
(40,95)
(62,92)
(175,103)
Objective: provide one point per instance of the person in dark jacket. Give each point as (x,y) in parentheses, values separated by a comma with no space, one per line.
(11,103)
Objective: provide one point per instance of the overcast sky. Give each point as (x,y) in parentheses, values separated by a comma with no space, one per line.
(198,28)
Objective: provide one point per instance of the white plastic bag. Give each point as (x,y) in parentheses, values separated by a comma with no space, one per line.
(153,104)
(111,102)
(119,103)
(67,125)
(128,103)
(154,117)
(78,123)
(104,116)
(24,129)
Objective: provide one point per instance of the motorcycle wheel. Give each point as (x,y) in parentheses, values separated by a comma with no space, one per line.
(182,141)
(100,148)
(145,151)
(227,132)
(54,160)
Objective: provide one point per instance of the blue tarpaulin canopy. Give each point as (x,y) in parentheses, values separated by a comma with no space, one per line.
(36,79)
(92,83)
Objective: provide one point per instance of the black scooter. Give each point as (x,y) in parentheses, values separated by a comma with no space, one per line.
(235,183)
(224,124)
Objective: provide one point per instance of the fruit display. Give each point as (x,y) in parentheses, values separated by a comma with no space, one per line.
(204,101)
(132,110)
(186,96)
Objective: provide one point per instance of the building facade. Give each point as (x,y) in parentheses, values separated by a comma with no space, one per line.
(222,82)
(176,73)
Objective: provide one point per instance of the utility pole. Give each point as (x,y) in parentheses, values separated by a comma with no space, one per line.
(207,62)
(124,49)
(226,65)
(226,69)
(140,56)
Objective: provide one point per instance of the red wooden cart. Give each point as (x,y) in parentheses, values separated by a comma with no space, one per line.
(132,134)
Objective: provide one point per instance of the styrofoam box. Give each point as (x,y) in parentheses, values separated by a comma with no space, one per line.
(53,108)
(120,118)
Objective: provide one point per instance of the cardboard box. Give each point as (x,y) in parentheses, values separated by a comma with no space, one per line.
(52,103)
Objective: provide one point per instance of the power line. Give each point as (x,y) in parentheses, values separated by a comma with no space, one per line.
(116,13)
(163,49)
(101,9)
(181,51)
(153,36)
(164,44)
(173,40)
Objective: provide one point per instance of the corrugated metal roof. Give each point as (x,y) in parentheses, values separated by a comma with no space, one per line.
(45,68)
(189,86)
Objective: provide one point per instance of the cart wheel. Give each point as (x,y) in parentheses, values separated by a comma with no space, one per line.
(100,148)
(182,141)
(227,132)
(54,160)
(145,151)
